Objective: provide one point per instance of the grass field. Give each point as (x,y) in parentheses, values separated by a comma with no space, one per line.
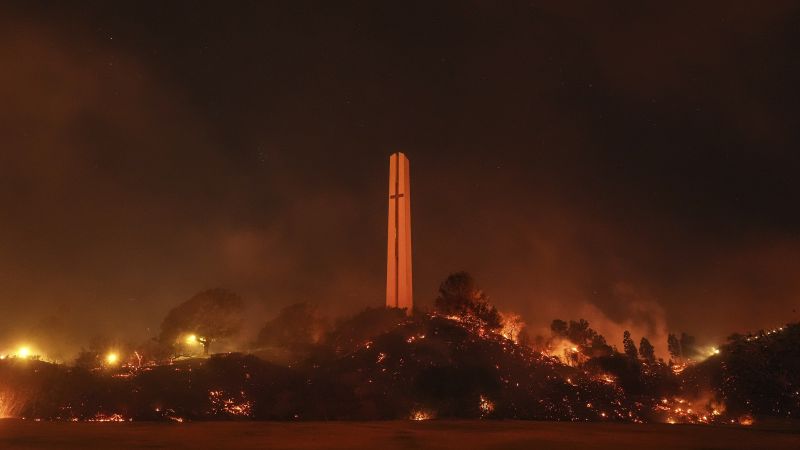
(18,434)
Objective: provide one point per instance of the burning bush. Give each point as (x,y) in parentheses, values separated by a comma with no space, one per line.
(459,296)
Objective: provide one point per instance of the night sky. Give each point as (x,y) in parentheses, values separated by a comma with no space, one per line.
(637,165)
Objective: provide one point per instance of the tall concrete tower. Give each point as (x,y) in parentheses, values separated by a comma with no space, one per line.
(398,261)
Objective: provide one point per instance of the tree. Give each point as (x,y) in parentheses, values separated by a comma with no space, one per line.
(647,351)
(559,328)
(579,332)
(597,347)
(590,342)
(674,346)
(629,345)
(208,316)
(459,296)
(296,328)
(689,346)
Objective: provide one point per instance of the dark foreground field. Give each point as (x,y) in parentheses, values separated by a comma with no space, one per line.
(391,435)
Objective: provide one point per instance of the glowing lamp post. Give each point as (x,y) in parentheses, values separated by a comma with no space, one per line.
(194,339)
(112,359)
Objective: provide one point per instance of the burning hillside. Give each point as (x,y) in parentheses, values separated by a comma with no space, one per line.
(462,360)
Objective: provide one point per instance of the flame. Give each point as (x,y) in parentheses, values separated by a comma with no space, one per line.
(565,351)
(512,326)
(11,404)
(746,420)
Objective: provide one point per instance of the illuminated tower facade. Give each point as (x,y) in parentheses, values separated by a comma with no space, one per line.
(398,262)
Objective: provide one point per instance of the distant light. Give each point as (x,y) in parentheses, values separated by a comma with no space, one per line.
(112,358)
(24,352)
(191,339)
(418,415)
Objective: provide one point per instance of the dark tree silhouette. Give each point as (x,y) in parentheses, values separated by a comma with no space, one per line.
(210,315)
(87,360)
(590,342)
(646,350)
(598,347)
(674,346)
(559,328)
(580,333)
(629,345)
(459,296)
(689,346)
(760,374)
(296,328)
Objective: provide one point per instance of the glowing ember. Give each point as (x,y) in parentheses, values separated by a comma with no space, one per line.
(606,378)
(486,406)
(221,404)
(414,338)
(421,415)
(678,368)
(100,417)
(679,410)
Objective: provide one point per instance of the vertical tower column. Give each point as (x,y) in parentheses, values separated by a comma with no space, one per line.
(399,287)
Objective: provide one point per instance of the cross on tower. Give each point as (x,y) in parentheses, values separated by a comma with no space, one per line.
(398,261)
